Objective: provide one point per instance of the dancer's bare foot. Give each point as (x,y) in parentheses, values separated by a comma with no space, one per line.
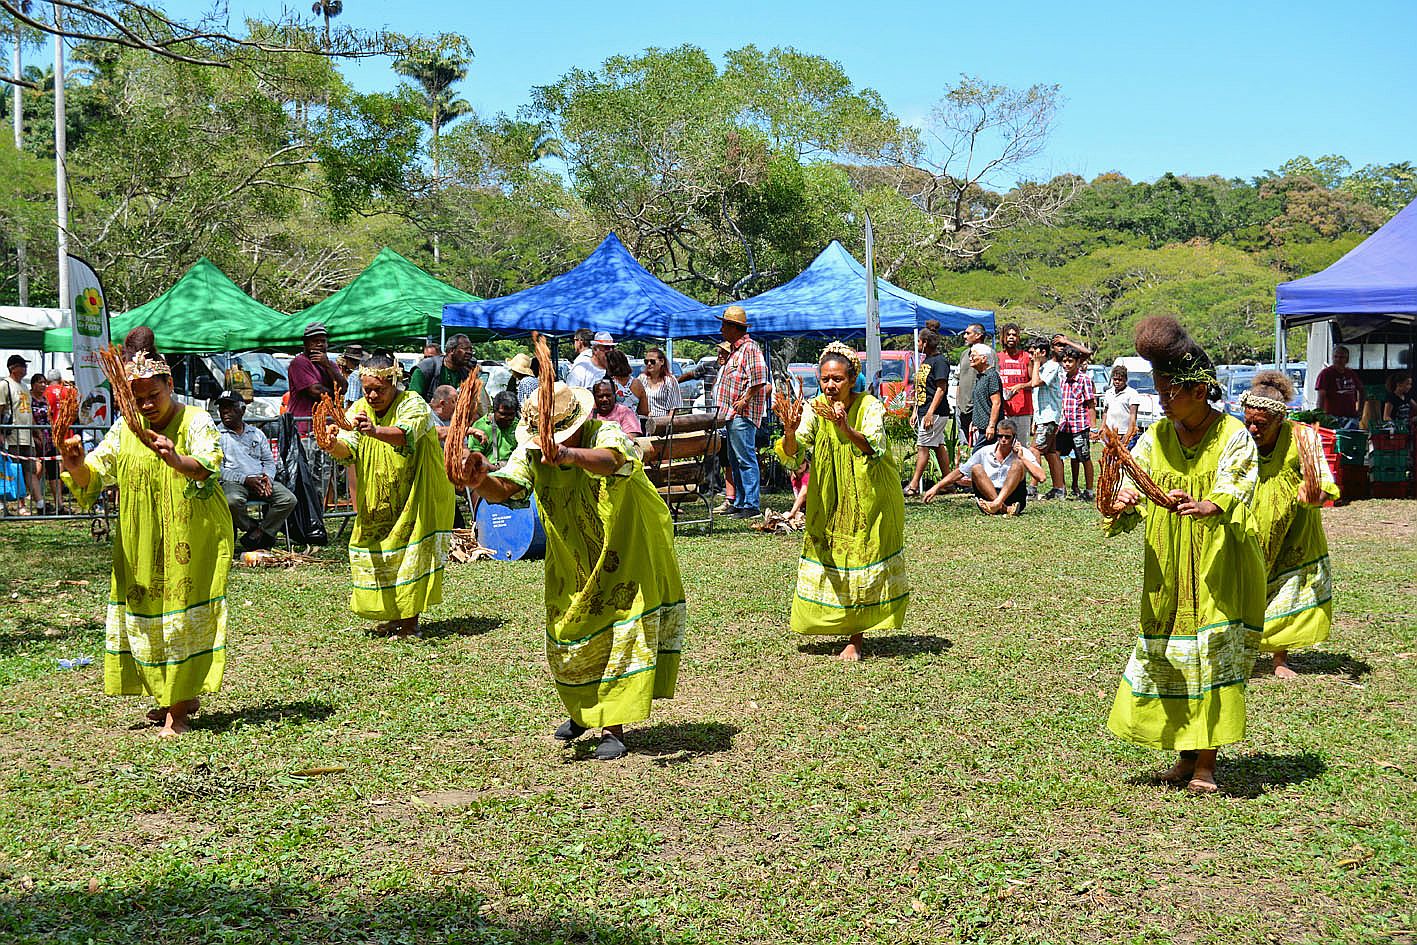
(1203,781)
(177,719)
(1181,772)
(1281,666)
(403,629)
(852,652)
(158,716)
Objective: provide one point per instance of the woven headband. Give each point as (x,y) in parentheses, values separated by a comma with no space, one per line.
(142,367)
(391,373)
(846,351)
(1260,402)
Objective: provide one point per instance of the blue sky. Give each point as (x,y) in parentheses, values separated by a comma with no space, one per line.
(1229,88)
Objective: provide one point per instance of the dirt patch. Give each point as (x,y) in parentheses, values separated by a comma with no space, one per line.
(1385,521)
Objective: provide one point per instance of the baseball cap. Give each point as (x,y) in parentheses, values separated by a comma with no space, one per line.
(16,359)
(230,396)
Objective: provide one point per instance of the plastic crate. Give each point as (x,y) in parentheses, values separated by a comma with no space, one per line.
(1387,474)
(1389,490)
(1352,482)
(1352,446)
(1392,441)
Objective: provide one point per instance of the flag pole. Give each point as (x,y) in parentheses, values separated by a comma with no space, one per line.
(873,313)
(61,176)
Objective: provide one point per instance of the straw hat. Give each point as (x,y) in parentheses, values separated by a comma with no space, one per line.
(520,363)
(735,315)
(573,407)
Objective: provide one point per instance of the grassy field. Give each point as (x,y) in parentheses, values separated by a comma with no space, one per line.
(958,785)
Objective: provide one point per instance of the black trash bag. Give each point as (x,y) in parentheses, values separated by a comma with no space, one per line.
(307,523)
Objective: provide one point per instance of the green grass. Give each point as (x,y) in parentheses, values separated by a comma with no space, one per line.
(959,785)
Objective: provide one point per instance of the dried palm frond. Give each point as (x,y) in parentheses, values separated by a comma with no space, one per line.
(66,414)
(1116,460)
(785,403)
(457,458)
(325,413)
(1310,452)
(823,409)
(110,359)
(545,395)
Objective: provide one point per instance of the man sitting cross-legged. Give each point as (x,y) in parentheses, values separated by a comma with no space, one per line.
(997,472)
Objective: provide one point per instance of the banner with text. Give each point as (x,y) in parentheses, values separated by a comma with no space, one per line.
(90,337)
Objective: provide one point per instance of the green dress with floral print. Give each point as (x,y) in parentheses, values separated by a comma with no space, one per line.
(1202,594)
(403,513)
(851,574)
(615,611)
(165,629)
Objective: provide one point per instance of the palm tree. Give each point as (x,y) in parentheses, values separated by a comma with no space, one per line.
(327,9)
(536,139)
(436,73)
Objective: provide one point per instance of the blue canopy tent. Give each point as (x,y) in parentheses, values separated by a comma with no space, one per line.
(1378,277)
(1369,294)
(829,299)
(610,291)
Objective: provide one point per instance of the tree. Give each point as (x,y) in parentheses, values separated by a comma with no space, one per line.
(435,73)
(327,9)
(702,171)
(963,176)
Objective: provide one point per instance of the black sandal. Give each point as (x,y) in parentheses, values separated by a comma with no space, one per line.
(569,731)
(610,748)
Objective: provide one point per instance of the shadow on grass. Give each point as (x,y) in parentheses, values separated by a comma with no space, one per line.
(200,912)
(473,626)
(30,630)
(264,713)
(907,644)
(1316,663)
(1253,775)
(671,742)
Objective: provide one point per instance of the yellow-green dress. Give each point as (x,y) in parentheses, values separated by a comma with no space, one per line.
(615,611)
(403,514)
(851,574)
(1202,602)
(165,628)
(1291,534)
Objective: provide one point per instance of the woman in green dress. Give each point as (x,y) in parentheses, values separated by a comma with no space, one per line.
(1202,603)
(404,503)
(615,612)
(165,629)
(1291,529)
(851,575)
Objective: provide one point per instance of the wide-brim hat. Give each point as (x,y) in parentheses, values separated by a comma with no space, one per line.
(519,363)
(724,346)
(735,315)
(572,407)
(354,353)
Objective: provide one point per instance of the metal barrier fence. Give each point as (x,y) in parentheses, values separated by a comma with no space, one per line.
(106,508)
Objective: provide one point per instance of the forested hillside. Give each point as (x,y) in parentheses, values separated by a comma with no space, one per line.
(724,176)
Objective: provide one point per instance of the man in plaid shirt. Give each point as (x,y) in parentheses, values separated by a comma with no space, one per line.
(1079,416)
(742,393)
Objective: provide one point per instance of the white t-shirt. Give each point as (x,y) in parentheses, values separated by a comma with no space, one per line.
(995,468)
(584,371)
(1117,408)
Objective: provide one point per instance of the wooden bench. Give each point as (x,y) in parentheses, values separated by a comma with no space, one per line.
(678,449)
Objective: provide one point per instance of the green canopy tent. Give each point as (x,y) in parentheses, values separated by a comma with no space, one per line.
(203,313)
(391,301)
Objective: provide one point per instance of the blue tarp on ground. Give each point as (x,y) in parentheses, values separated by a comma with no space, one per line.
(1376,277)
(829,298)
(610,291)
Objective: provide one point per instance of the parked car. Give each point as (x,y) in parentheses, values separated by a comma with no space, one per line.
(691,390)
(198,379)
(1235,379)
(807,374)
(897,375)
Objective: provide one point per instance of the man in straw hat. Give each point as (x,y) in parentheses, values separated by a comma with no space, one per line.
(742,392)
(614,601)
(404,504)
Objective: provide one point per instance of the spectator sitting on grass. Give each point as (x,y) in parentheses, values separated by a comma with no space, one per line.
(998,473)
